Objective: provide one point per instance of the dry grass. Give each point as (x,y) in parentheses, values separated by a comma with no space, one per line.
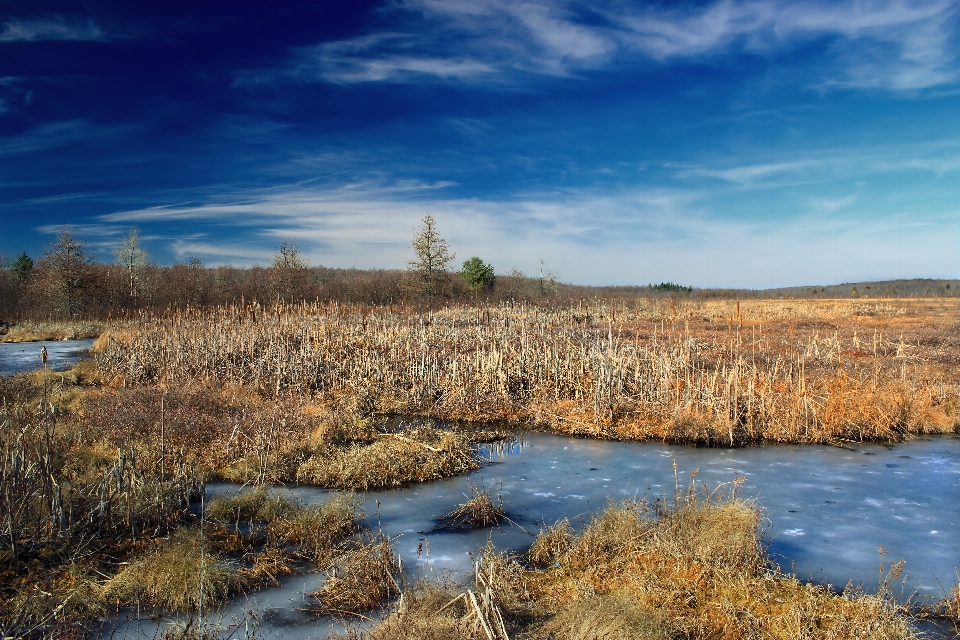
(363,579)
(690,568)
(552,543)
(608,617)
(482,509)
(695,568)
(249,506)
(319,532)
(424,615)
(68,595)
(70,505)
(36,331)
(181,575)
(709,372)
(391,461)
(949,607)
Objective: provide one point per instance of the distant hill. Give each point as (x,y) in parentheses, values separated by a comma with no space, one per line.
(917,287)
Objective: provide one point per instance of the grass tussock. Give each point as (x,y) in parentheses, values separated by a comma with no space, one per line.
(191,630)
(430,610)
(318,532)
(249,506)
(273,535)
(553,542)
(181,575)
(391,461)
(482,509)
(704,372)
(607,617)
(363,579)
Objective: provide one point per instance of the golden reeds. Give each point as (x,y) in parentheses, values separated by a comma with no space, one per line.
(705,372)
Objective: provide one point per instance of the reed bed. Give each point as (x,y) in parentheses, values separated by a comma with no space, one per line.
(712,373)
(693,567)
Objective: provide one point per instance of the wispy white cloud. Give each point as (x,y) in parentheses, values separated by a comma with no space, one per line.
(937,158)
(56,28)
(892,45)
(636,235)
(59,133)
(747,174)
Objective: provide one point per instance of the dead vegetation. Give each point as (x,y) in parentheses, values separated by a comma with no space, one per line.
(97,505)
(314,533)
(693,567)
(363,579)
(35,331)
(100,464)
(707,372)
(392,460)
(181,574)
(482,509)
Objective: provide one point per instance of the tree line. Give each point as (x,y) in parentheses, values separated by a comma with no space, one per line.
(68,282)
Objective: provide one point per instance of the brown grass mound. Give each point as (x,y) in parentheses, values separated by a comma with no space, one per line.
(391,461)
(181,575)
(249,506)
(608,617)
(698,563)
(319,531)
(362,580)
(552,543)
(482,509)
(431,610)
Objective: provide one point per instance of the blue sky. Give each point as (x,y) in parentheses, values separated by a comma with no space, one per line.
(755,144)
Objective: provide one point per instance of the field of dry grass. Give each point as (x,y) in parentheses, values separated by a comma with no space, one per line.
(711,372)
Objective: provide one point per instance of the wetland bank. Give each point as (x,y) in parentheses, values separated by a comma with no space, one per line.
(105,464)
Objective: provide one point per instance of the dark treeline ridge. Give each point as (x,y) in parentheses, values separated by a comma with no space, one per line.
(67,283)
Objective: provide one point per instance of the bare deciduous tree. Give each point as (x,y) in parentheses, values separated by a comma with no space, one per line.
(69,269)
(290,269)
(132,257)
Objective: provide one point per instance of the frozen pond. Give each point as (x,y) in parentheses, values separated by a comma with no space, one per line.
(17,357)
(829,510)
